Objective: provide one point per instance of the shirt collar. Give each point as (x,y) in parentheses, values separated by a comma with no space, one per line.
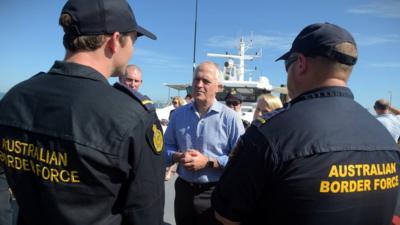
(384,115)
(215,107)
(76,70)
(334,91)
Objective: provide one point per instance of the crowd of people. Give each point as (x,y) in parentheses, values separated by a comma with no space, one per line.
(77,150)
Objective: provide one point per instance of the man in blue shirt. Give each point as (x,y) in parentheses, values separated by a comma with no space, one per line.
(388,120)
(200,136)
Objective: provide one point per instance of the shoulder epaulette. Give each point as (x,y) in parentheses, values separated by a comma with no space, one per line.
(40,73)
(143,99)
(267,116)
(147,103)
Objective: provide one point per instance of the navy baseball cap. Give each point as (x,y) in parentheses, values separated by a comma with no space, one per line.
(320,39)
(96,17)
(233,95)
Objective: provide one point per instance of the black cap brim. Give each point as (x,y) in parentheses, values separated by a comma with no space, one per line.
(141,31)
(284,56)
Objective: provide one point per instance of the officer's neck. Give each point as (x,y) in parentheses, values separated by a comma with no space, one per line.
(90,59)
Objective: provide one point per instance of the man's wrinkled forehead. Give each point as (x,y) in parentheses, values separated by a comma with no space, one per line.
(206,75)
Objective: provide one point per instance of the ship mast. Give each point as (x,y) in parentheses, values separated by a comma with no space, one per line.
(241,56)
(195,37)
(240,75)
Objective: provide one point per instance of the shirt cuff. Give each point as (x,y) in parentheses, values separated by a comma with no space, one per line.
(222,160)
(168,157)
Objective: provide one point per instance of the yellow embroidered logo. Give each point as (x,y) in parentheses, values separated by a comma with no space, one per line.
(157,139)
(49,164)
(365,177)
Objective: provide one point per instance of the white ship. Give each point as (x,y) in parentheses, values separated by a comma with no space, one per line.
(232,76)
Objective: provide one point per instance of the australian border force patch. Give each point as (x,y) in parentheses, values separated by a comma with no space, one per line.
(155,138)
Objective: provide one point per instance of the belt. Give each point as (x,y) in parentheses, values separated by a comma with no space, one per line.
(198,185)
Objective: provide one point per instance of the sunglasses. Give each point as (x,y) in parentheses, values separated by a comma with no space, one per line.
(174,103)
(234,103)
(288,62)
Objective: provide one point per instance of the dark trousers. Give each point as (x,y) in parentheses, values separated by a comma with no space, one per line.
(8,208)
(192,204)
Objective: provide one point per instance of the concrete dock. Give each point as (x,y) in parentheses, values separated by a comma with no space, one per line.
(169,218)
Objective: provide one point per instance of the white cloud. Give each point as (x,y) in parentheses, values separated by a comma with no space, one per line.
(283,42)
(386,65)
(380,8)
(275,41)
(162,61)
(376,40)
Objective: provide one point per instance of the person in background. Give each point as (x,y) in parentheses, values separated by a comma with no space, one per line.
(199,138)
(177,101)
(266,103)
(388,120)
(132,77)
(6,210)
(234,101)
(76,150)
(316,161)
(164,124)
(188,98)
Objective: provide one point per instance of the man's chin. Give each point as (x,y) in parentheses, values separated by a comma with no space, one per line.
(203,101)
(199,98)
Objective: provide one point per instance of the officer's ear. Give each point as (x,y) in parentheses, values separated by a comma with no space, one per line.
(112,43)
(302,64)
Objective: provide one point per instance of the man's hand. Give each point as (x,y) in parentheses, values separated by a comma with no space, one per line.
(194,160)
(177,156)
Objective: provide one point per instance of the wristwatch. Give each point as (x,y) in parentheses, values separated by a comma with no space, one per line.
(210,163)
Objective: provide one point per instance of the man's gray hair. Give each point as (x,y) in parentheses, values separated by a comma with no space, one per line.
(217,73)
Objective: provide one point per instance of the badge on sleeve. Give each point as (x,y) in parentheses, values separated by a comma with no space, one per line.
(155,138)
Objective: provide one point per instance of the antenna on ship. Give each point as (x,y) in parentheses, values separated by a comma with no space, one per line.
(195,37)
(241,56)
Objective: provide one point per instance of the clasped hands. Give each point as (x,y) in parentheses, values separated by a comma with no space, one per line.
(191,159)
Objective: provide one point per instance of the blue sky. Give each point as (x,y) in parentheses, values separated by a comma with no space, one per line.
(31,39)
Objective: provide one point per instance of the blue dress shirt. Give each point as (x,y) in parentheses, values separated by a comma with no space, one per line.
(392,124)
(214,135)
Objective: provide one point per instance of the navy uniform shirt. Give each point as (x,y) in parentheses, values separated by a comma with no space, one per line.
(78,151)
(323,160)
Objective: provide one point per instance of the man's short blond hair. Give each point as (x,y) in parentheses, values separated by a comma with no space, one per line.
(74,43)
